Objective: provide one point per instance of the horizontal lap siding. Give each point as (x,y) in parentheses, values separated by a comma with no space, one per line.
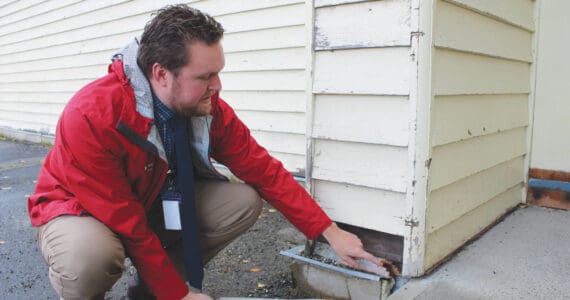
(367,119)
(457,73)
(481,83)
(453,201)
(480,34)
(377,166)
(360,111)
(442,242)
(376,71)
(264,79)
(50,49)
(476,115)
(390,16)
(384,210)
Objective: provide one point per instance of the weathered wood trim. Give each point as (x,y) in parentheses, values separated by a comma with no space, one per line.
(357,28)
(419,149)
(309,96)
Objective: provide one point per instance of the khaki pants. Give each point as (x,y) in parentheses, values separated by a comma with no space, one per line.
(86,258)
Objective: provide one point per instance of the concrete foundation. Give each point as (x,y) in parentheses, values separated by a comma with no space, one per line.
(319,282)
(315,278)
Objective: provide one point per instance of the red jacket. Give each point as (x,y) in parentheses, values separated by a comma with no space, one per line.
(108,162)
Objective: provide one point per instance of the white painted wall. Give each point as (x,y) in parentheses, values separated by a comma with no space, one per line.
(50,49)
(551,129)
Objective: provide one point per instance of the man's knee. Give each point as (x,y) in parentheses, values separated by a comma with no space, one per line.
(85,258)
(93,271)
(252,203)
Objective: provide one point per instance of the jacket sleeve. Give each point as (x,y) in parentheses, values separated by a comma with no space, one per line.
(92,160)
(234,147)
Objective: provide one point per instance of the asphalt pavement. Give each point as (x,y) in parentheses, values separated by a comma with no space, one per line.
(249,267)
(23,272)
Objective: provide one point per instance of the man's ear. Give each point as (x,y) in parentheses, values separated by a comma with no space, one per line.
(160,75)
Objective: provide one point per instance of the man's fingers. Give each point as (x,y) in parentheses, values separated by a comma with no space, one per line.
(371,258)
(349,261)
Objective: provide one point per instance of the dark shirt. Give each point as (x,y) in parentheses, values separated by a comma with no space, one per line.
(162,115)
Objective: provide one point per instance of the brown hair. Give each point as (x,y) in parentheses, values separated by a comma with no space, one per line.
(165,37)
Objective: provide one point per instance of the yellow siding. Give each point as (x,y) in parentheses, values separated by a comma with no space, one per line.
(480,34)
(444,241)
(516,12)
(479,118)
(476,115)
(455,161)
(49,49)
(451,202)
(457,73)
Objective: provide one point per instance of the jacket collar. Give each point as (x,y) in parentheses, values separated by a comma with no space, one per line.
(138,81)
(141,89)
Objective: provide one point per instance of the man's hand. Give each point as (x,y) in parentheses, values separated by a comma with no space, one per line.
(194,296)
(348,246)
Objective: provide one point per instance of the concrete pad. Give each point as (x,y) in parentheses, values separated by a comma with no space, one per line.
(524,257)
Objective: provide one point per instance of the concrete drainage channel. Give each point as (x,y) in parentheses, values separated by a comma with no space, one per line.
(325,280)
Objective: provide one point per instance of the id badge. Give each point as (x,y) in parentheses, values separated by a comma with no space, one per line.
(171,209)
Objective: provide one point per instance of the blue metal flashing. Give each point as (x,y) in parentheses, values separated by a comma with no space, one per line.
(549,184)
(294,253)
